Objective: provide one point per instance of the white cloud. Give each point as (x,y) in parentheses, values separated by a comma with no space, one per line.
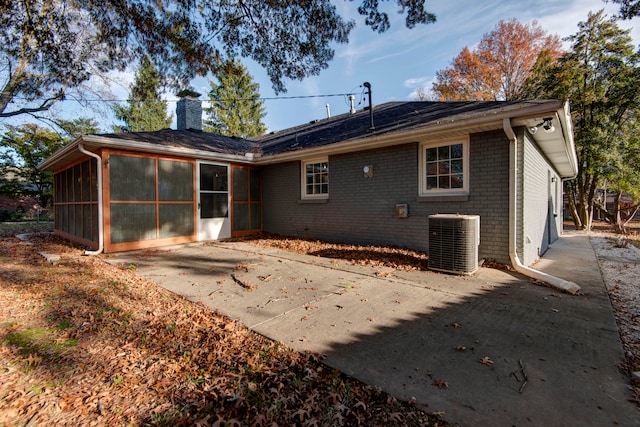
(415,82)
(118,82)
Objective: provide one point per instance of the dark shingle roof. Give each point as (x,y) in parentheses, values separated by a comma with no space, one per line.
(389,117)
(190,139)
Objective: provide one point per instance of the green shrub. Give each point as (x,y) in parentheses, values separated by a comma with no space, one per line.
(5,214)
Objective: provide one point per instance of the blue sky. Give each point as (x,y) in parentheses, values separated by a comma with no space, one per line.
(397,62)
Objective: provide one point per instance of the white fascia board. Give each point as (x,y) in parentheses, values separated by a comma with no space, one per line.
(567,128)
(125,144)
(96,141)
(441,128)
(59,154)
(564,144)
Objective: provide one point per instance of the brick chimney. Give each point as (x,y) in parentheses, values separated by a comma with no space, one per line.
(189,111)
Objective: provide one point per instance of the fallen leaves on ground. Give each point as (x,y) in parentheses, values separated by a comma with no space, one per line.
(369,256)
(486,361)
(441,384)
(83,342)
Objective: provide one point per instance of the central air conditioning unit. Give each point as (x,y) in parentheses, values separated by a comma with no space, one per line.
(453,243)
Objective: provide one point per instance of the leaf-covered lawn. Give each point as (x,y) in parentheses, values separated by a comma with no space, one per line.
(85,343)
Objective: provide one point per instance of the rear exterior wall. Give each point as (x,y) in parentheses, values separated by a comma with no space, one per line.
(361,210)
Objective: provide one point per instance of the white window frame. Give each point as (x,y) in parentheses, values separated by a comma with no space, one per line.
(303,178)
(422,168)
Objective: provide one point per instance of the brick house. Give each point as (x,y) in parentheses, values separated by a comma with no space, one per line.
(370,177)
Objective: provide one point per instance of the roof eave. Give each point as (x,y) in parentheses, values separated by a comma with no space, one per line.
(567,164)
(50,162)
(567,167)
(440,129)
(565,118)
(97,141)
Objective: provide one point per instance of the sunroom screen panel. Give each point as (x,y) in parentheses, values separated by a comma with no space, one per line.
(132,222)
(132,178)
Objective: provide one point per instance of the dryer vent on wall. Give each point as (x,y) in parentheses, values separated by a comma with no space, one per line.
(453,243)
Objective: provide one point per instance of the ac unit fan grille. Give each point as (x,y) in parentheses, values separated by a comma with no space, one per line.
(453,243)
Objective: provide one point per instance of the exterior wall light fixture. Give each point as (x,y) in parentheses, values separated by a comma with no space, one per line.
(546,124)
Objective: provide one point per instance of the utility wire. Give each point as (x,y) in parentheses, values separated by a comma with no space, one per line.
(274,98)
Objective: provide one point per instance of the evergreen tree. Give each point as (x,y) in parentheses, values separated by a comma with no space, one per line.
(600,76)
(145,110)
(628,8)
(235,108)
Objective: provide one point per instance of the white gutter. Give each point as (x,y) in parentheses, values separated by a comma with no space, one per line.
(442,128)
(570,147)
(127,144)
(555,282)
(100,207)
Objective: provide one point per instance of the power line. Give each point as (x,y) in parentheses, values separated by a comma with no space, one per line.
(274,98)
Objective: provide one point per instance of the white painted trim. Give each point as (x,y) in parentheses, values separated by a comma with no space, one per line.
(213,228)
(303,178)
(422,173)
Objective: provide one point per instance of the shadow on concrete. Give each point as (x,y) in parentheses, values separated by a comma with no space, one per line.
(514,355)
(487,349)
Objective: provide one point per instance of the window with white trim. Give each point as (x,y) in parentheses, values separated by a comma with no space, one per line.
(315,179)
(444,167)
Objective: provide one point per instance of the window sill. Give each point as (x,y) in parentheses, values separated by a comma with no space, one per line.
(312,201)
(444,198)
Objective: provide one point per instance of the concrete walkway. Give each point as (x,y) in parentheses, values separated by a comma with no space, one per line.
(489,349)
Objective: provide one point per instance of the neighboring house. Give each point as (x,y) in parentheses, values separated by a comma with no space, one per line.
(13,198)
(609,199)
(21,204)
(371,177)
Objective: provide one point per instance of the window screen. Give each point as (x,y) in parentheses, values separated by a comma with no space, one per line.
(240,217)
(214,205)
(76,200)
(254,193)
(240,185)
(85,178)
(132,222)
(175,180)
(132,178)
(77,184)
(256,216)
(213,178)
(176,220)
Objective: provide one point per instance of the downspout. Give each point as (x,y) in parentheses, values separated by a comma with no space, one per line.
(100,207)
(555,282)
